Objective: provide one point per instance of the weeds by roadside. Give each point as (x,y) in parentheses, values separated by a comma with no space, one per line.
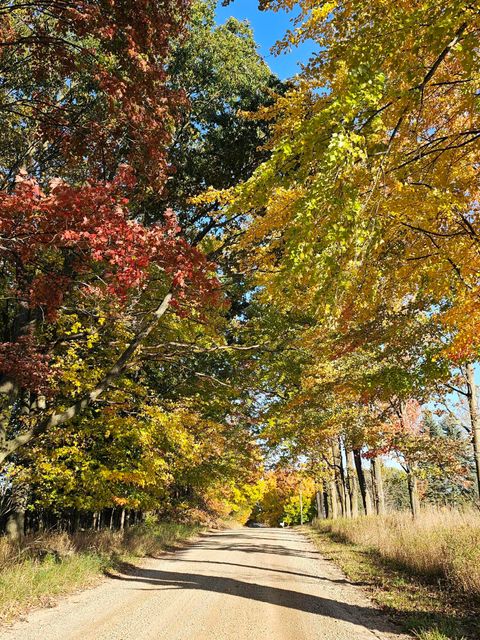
(46,566)
(403,565)
(442,544)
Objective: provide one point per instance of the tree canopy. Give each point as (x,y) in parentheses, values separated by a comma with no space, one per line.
(217,287)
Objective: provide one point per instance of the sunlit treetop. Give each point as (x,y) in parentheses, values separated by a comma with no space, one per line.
(371,191)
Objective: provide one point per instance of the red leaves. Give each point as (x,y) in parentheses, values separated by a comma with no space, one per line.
(72,232)
(22,362)
(406,435)
(111,57)
(66,238)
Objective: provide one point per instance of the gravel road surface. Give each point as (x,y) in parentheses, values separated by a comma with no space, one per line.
(246,584)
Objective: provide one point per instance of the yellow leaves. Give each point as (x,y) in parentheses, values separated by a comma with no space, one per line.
(210,195)
(280,210)
(315,22)
(76,327)
(370,184)
(463,320)
(320,13)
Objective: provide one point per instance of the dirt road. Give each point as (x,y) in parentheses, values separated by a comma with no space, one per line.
(247,584)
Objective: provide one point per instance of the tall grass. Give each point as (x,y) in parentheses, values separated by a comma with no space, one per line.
(46,566)
(439,544)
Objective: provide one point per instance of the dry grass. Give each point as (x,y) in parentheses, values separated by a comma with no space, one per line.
(440,544)
(426,608)
(46,566)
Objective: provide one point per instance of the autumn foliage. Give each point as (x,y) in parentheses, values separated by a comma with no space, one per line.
(317,295)
(97,89)
(113,316)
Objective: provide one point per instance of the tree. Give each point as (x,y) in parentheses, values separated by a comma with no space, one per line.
(70,244)
(443,488)
(281,499)
(85,88)
(84,297)
(365,215)
(418,449)
(78,242)
(368,197)
(215,144)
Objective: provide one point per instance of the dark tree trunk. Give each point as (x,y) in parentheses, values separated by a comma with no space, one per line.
(340,479)
(352,484)
(325,503)
(362,483)
(377,481)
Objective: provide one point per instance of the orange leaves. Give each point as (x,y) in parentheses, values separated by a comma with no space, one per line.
(463,320)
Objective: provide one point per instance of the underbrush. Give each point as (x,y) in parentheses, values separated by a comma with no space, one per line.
(45,566)
(440,544)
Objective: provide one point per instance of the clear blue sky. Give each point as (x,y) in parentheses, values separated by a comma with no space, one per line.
(268,28)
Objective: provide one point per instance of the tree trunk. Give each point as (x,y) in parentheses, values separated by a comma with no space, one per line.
(333,499)
(352,484)
(325,502)
(377,479)
(340,479)
(362,483)
(122,520)
(319,504)
(474,420)
(413,492)
(15,527)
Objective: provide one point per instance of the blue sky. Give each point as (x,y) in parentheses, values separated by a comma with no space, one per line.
(268,28)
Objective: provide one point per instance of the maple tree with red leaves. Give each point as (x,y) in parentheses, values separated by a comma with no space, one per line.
(402,432)
(100,105)
(83,238)
(81,226)
(86,84)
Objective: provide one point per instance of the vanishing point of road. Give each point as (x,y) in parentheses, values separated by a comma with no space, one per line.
(245,584)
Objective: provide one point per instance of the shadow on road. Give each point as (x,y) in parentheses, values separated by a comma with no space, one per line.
(255,543)
(267,569)
(360,615)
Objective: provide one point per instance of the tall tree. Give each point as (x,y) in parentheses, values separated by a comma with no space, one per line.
(70,245)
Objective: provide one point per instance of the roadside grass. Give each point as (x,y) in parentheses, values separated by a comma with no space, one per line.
(415,591)
(47,566)
(443,544)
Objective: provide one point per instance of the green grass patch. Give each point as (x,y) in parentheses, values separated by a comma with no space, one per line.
(38,583)
(422,607)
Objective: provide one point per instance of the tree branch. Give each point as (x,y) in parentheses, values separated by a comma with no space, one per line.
(62,417)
